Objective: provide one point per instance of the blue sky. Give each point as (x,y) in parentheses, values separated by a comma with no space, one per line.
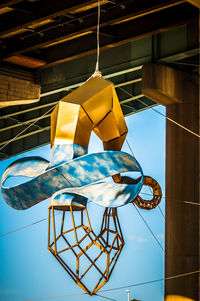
(29,271)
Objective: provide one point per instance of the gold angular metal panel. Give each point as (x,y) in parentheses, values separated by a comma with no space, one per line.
(115,144)
(83,129)
(68,123)
(54,117)
(98,106)
(113,126)
(89,89)
(119,116)
(107,129)
(93,106)
(67,117)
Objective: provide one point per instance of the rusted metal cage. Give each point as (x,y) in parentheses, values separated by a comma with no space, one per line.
(80,245)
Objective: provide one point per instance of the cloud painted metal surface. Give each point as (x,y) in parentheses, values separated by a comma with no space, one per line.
(77,176)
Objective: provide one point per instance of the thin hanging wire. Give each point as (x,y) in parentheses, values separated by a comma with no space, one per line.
(27,226)
(130,148)
(123,287)
(171,120)
(149,229)
(45,219)
(24,227)
(97,72)
(138,210)
(158,205)
(14,138)
(104,297)
(70,295)
(152,281)
(163,215)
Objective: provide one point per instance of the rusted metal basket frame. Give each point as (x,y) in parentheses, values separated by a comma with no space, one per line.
(98,241)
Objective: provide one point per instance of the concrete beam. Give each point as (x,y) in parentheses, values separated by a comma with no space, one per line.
(162,84)
(179,91)
(15,91)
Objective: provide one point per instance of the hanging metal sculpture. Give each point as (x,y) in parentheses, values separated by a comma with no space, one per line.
(72,177)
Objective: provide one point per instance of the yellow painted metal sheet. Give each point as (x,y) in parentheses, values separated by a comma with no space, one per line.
(119,116)
(89,89)
(54,116)
(70,124)
(98,106)
(83,129)
(107,129)
(67,116)
(93,106)
(115,144)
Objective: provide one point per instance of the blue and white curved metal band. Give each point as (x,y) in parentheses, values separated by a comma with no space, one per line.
(77,177)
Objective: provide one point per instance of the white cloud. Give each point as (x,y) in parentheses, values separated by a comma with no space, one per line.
(138,239)
(160,235)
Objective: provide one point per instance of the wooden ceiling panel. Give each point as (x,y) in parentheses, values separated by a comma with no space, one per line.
(45,10)
(195,2)
(69,38)
(115,27)
(125,32)
(7,3)
(25,61)
(27,29)
(5,10)
(43,33)
(153,9)
(88,6)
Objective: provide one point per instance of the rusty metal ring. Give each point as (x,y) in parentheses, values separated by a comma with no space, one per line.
(157,195)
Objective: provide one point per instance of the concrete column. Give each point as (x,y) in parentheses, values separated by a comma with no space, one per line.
(179,91)
(182,185)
